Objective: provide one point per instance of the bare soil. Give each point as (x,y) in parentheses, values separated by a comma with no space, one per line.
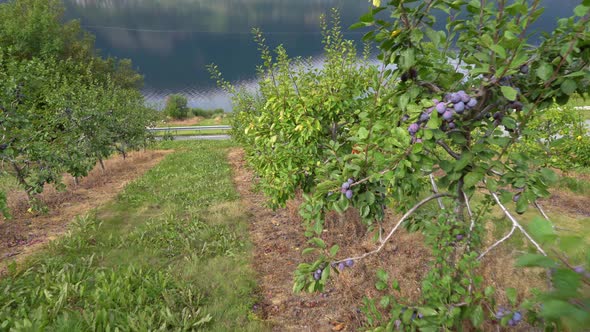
(186,122)
(568,202)
(26,232)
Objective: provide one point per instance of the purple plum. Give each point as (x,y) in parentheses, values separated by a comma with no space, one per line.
(424,117)
(348,194)
(472,102)
(459,107)
(455,98)
(447,115)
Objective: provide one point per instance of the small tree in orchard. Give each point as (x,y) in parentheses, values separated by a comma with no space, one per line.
(439,123)
(176,107)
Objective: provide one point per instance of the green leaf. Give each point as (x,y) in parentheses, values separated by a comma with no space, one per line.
(535,260)
(499,50)
(522,204)
(307,251)
(407,316)
(509,92)
(426,311)
(569,86)
(362,133)
(542,230)
(477,316)
(408,59)
(380,285)
(511,295)
(471,179)
(382,275)
(434,121)
(463,162)
(581,10)
(334,250)
(317,242)
(544,71)
(556,309)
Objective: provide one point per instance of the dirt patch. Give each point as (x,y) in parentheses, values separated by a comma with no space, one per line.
(26,232)
(278,240)
(186,122)
(568,202)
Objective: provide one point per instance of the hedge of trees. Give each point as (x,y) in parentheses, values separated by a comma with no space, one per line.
(63,108)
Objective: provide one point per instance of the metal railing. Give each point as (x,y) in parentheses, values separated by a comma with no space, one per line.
(190,128)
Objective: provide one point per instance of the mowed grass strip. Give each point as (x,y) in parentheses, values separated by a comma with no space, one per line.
(171,253)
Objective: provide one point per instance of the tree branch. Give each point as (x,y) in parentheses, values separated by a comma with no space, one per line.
(404,217)
(435,190)
(448,149)
(515,224)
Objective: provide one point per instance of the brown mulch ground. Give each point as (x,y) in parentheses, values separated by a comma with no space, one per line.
(26,232)
(568,202)
(186,122)
(278,240)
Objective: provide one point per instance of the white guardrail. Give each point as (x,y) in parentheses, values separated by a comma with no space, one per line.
(191,128)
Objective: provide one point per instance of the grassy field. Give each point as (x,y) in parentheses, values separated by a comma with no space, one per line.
(170,253)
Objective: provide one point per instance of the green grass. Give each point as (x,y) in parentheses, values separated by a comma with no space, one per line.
(213,122)
(171,253)
(575,185)
(7,182)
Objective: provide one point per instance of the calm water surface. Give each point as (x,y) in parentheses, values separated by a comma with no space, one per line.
(171,41)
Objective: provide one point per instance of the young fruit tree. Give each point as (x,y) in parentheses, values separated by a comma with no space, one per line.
(440,122)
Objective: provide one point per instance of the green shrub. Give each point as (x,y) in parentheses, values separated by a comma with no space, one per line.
(207,113)
(176,106)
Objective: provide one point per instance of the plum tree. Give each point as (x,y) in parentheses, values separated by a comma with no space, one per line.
(433,117)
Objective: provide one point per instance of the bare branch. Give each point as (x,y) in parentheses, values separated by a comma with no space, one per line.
(435,190)
(538,206)
(404,217)
(541,210)
(431,86)
(469,212)
(448,149)
(515,224)
(498,242)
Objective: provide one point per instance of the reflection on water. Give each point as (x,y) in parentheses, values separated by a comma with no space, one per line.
(171,41)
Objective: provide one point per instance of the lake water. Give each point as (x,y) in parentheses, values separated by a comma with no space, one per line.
(171,41)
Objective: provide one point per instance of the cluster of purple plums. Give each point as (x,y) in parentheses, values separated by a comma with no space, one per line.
(317,275)
(345,189)
(515,317)
(453,105)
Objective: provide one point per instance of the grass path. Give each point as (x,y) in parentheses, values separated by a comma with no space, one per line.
(170,253)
